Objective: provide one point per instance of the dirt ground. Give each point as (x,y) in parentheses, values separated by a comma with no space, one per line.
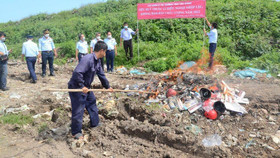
(130,128)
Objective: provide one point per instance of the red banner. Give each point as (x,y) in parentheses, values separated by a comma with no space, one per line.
(171,10)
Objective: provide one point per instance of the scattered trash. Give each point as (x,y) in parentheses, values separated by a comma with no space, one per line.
(193,105)
(213,140)
(172,102)
(256,70)
(151,100)
(219,107)
(47,115)
(121,70)
(235,107)
(171,92)
(268,147)
(251,72)
(212,114)
(15,96)
(58,95)
(194,129)
(251,142)
(205,93)
(16,110)
(187,65)
(245,73)
(137,72)
(109,105)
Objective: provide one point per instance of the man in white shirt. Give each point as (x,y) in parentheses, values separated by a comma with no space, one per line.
(126,38)
(92,44)
(3,62)
(81,47)
(111,51)
(46,46)
(213,38)
(31,52)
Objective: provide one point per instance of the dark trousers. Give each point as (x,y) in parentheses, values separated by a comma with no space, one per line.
(212,49)
(128,45)
(110,57)
(80,101)
(31,61)
(47,57)
(80,55)
(3,74)
(102,63)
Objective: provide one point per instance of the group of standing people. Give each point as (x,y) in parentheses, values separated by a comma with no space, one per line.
(82,49)
(125,40)
(46,51)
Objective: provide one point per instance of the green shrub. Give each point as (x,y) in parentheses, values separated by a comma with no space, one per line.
(158,65)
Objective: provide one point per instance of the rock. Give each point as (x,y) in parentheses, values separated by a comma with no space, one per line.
(106,153)
(276,137)
(271,118)
(85,153)
(264,111)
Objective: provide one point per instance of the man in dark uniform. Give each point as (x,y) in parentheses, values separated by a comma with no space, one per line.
(82,78)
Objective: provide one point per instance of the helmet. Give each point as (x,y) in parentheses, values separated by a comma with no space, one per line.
(212,114)
(171,92)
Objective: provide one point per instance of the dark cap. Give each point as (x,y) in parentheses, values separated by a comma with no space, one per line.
(29,37)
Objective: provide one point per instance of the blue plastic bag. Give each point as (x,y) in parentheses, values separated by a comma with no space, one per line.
(245,73)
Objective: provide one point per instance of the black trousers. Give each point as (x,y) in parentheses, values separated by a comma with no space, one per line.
(212,49)
(128,45)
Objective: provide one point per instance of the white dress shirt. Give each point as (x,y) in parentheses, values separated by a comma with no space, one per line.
(213,36)
(82,47)
(3,48)
(46,44)
(93,42)
(110,43)
(30,49)
(126,34)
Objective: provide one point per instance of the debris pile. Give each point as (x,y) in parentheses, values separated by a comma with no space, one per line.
(190,92)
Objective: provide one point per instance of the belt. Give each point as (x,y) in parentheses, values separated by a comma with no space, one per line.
(110,50)
(127,40)
(48,51)
(83,53)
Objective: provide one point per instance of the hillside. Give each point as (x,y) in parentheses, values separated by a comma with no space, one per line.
(248,32)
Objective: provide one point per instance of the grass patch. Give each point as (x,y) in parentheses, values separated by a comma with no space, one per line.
(43,127)
(16,119)
(153,107)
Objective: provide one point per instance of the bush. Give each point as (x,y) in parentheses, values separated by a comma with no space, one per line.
(158,65)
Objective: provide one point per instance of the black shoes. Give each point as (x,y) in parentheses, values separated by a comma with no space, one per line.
(5,89)
(52,74)
(43,75)
(33,81)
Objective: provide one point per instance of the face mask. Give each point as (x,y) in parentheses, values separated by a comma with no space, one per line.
(3,39)
(98,37)
(47,35)
(83,38)
(110,36)
(126,27)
